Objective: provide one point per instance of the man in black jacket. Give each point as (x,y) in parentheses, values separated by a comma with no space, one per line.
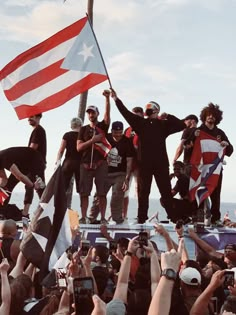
(152,154)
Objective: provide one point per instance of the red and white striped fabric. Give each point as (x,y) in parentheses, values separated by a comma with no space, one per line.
(206,161)
(54,71)
(104,147)
(3,195)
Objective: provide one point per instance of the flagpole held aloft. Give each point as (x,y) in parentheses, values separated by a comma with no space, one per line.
(108,78)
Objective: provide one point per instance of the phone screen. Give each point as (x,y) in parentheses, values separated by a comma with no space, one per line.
(83,292)
(61,278)
(85,245)
(229,279)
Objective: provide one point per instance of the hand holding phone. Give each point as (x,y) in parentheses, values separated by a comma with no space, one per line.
(229,279)
(112,247)
(61,278)
(85,245)
(143,239)
(83,291)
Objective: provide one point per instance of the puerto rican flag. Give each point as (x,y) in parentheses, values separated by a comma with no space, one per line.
(3,195)
(206,161)
(54,71)
(104,147)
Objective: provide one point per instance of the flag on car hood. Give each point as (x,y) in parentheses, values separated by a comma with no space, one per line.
(51,73)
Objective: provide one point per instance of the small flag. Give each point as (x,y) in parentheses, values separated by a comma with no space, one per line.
(104,147)
(54,71)
(206,161)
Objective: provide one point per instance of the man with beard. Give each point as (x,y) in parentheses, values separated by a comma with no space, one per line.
(38,142)
(93,162)
(152,154)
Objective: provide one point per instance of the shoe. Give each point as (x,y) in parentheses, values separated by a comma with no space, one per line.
(104,221)
(120,221)
(82,221)
(217,223)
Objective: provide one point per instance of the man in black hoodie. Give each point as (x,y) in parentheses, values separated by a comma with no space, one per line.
(152,154)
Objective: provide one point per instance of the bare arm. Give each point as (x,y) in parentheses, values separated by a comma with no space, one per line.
(34,146)
(162,231)
(203,245)
(161,300)
(81,145)
(5,288)
(201,304)
(107,118)
(20,176)
(19,267)
(122,283)
(179,150)
(61,150)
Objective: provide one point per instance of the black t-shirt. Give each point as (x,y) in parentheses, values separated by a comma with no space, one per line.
(28,160)
(71,151)
(85,134)
(38,136)
(187,136)
(116,158)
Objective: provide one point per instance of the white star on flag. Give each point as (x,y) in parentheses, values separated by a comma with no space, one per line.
(86,52)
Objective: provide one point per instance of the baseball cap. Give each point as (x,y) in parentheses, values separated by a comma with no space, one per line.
(93,108)
(190,276)
(152,105)
(230,246)
(192,117)
(117,125)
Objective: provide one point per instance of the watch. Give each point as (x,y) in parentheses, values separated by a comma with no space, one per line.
(169,273)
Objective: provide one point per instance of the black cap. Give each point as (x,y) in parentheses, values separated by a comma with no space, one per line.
(137,109)
(117,125)
(193,117)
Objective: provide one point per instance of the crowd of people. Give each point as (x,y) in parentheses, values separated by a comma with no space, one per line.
(127,277)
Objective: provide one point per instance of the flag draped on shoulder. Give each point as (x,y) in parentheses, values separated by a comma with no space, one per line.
(50,233)
(104,146)
(54,71)
(206,161)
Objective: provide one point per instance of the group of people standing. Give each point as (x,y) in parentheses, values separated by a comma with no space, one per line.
(110,160)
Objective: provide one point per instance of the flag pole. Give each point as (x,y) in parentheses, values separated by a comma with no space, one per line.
(108,78)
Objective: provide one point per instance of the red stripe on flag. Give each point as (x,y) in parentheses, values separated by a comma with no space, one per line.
(61,97)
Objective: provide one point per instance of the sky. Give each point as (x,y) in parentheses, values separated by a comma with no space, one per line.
(179,53)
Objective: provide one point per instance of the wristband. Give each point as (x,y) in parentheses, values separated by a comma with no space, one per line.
(127,253)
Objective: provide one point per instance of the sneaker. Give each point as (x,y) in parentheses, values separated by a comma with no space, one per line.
(104,221)
(82,221)
(217,223)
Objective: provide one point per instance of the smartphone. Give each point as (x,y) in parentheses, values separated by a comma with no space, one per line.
(61,278)
(83,292)
(112,246)
(85,245)
(143,239)
(214,302)
(229,279)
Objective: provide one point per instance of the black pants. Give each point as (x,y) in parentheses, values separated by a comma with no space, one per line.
(13,181)
(215,199)
(71,168)
(162,179)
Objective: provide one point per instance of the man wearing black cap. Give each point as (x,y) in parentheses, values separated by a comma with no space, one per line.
(152,153)
(119,161)
(93,161)
(186,145)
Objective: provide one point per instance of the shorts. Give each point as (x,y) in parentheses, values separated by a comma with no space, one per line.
(98,176)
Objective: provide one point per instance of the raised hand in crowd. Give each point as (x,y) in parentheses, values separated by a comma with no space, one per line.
(5,288)
(170,260)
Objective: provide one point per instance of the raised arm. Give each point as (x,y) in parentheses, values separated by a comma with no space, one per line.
(107,118)
(122,282)
(5,288)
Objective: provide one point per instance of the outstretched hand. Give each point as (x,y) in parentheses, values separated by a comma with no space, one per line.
(172,259)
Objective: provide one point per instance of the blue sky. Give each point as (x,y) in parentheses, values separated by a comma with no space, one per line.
(180,53)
